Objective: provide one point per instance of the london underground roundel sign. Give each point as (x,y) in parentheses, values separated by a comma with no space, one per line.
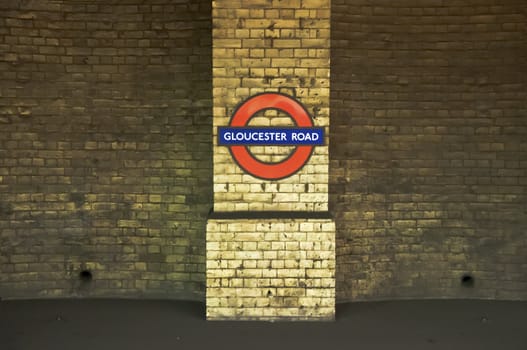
(238,136)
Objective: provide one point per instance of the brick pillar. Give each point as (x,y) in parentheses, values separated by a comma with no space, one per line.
(271,242)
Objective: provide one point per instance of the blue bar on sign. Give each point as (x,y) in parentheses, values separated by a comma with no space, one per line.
(278,136)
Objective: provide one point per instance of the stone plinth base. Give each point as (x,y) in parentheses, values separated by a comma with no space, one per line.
(271,269)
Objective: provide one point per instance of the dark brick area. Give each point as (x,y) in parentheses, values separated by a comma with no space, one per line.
(105,153)
(429,148)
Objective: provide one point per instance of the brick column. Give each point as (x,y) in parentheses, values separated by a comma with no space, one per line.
(271,243)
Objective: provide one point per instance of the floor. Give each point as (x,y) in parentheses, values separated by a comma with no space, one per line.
(146,324)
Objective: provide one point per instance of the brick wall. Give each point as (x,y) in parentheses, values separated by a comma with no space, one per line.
(105,144)
(268,269)
(264,46)
(428,164)
(280,265)
(105,130)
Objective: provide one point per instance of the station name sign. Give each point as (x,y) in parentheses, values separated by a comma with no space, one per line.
(285,136)
(239,136)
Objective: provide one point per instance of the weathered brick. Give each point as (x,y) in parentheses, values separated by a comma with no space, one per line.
(427,140)
(96,168)
(418,153)
(269,277)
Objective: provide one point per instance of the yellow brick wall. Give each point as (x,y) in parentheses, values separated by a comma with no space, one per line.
(276,267)
(271,46)
(271,269)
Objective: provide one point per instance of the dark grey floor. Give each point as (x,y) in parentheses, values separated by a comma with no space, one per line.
(150,325)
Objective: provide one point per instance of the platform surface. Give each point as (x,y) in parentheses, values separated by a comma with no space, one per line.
(159,324)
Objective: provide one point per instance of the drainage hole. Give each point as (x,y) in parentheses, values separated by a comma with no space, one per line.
(85,276)
(467,280)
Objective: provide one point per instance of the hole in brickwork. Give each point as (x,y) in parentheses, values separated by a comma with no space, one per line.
(269,293)
(467,280)
(85,276)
